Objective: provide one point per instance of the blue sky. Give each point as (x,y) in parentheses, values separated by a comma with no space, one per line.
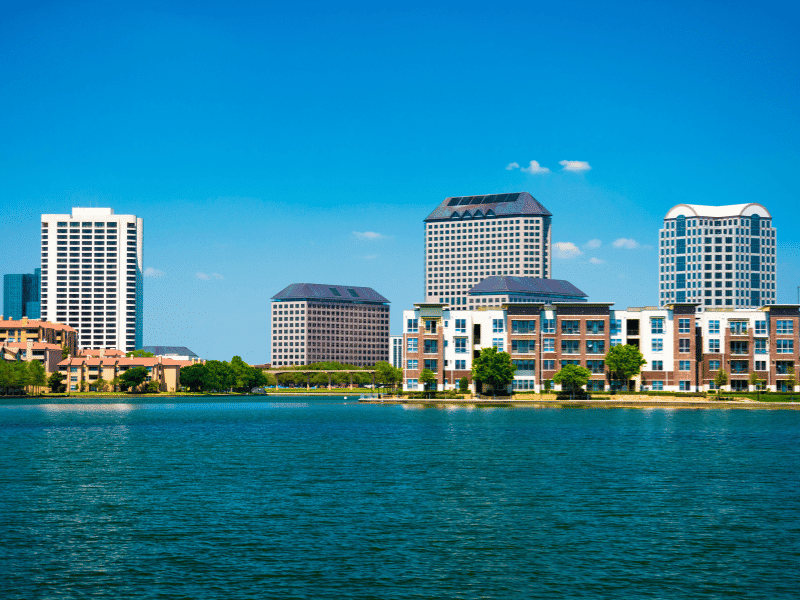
(260,141)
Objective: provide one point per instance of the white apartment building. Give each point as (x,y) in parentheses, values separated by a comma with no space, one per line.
(92,276)
(469,238)
(396,351)
(718,256)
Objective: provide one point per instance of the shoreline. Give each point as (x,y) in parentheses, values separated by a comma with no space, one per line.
(600,403)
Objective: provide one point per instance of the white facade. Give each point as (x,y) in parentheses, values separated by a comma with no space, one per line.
(396,351)
(718,256)
(92,276)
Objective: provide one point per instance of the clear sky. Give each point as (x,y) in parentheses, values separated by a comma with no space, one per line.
(268,143)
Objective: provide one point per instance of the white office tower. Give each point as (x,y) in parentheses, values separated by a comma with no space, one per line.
(717,256)
(92,276)
(470,238)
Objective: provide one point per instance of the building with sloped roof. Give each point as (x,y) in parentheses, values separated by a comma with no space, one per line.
(470,238)
(498,290)
(314,322)
(718,256)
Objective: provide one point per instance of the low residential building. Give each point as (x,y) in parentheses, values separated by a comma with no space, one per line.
(25,329)
(89,369)
(313,323)
(684,345)
(49,355)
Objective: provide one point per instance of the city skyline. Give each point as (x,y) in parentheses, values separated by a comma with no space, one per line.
(201,121)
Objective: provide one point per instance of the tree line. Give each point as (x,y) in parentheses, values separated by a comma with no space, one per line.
(22,377)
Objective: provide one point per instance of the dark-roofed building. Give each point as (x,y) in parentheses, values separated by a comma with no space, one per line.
(174,352)
(469,238)
(313,322)
(504,289)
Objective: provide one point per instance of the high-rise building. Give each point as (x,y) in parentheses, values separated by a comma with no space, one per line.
(92,276)
(717,256)
(312,323)
(469,238)
(21,295)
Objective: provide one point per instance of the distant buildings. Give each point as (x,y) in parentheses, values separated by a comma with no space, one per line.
(469,238)
(21,295)
(314,323)
(684,348)
(718,256)
(92,276)
(173,352)
(49,355)
(87,370)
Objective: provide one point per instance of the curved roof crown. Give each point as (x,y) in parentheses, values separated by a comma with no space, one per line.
(718,212)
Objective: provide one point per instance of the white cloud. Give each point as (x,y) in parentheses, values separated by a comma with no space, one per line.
(370,257)
(512,166)
(535,168)
(626,243)
(217,276)
(151,272)
(368,235)
(576,166)
(596,261)
(202,276)
(566,250)
(595,243)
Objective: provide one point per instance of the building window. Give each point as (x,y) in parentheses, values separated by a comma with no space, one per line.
(684,386)
(523,346)
(497,325)
(785,346)
(784,327)
(412,364)
(761,328)
(760,346)
(616,326)
(713,346)
(596,366)
(684,345)
(656,325)
(432,364)
(684,365)
(738,327)
(498,343)
(461,365)
(523,327)
(412,383)
(412,326)
(657,344)
(548,325)
(616,342)
(658,365)
(761,365)
(412,345)
(430,326)
(684,325)
(713,366)
(658,386)
(461,326)
(564,363)
(549,365)
(596,347)
(595,327)
(461,345)
(570,327)
(570,347)
(739,348)
(548,345)
(431,346)
(713,326)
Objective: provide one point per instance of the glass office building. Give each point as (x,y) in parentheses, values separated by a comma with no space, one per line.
(21,295)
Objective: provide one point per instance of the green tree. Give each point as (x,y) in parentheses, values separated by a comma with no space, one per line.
(386,374)
(38,375)
(463,384)
(139,354)
(753,380)
(192,376)
(21,376)
(624,362)
(64,352)
(427,377)
(56,382)
(133,378)
(493,368)
(720,379)
(153,387)
(100,384)
(572,378)
(115,384)
(791,380)
(219,376)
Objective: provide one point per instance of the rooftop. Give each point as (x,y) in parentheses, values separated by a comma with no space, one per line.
(503,284)
(169,351)
(491,205)
(320,291)
(718,212)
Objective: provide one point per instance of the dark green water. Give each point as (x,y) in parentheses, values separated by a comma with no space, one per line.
(321,498)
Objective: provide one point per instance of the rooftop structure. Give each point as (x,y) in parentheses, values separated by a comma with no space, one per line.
(498,290)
